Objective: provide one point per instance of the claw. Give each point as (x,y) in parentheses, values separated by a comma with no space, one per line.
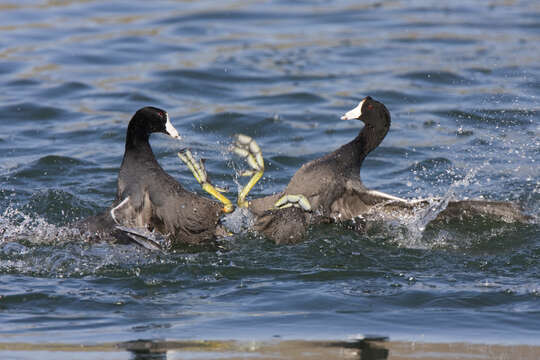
(299,201)
(247,173)
(247,148)
(199,172)
(220,189)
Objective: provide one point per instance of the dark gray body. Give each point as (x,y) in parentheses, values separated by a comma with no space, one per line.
(325,182)
(158,202)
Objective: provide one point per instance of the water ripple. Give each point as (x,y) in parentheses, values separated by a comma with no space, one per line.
(463,98)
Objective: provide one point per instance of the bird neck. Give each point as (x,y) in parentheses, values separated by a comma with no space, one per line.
(138,147)
(366,141)
(137,138)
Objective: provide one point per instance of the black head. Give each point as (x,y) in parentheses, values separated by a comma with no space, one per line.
(372,112)
(376,119)
(151,119)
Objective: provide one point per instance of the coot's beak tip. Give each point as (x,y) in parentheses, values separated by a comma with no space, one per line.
(171,131)
(174,134)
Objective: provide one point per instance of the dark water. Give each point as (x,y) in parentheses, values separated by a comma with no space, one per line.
(462,83)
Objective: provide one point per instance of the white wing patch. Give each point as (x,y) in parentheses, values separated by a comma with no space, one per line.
(117,207)
(386,196)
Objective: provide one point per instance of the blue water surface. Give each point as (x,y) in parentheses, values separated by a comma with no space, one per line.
(461,80)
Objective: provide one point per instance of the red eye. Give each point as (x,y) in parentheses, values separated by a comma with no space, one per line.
(370,107)
(161,113)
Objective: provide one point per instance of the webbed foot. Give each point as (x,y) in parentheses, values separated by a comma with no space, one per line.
(199,172)
(247,148)
(299,201)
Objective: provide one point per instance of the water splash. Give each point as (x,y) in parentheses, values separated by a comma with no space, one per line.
(29,245)
(239,221)
(408,226)
(16,225)
(76,259)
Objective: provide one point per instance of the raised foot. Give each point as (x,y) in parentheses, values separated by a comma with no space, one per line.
(247,148)
(299,201)
(199,172)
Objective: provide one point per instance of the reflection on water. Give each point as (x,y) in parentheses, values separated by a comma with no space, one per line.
(363,349)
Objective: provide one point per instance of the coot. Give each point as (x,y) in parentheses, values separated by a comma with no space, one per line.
(329,189)
(150,200)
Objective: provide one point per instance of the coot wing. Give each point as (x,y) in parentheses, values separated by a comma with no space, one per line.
(188,217)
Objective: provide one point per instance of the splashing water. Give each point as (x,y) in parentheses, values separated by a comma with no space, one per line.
(239,221)
(15,225)
(408,227)
(30,245)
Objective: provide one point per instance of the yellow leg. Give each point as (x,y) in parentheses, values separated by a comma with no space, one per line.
(199,172)
(246,189)
(247,148)
(228,207)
